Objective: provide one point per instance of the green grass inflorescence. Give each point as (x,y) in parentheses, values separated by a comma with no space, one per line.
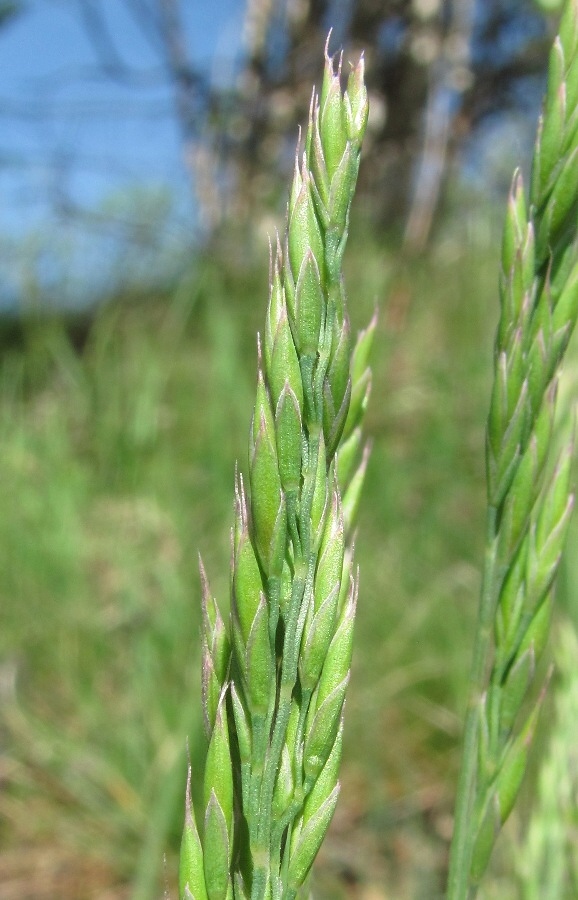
(529,501)
(274,678)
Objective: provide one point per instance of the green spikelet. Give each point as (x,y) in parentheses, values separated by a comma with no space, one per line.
(274,681)
(529,498)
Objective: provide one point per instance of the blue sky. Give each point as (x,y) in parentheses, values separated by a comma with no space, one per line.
(69,135)
(73,141)
(75,144)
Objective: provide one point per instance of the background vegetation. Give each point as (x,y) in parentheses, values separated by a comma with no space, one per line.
(119,433)
(117,449)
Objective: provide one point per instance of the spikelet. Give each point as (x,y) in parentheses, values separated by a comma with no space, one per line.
(274,681)
(529,498)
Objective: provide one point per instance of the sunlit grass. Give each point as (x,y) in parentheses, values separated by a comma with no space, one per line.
(116,467)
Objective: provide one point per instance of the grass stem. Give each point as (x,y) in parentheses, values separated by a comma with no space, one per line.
(463,837)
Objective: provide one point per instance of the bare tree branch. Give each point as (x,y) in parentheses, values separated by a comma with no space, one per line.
(97,30)
(192,96)
(146,17)
(449,77)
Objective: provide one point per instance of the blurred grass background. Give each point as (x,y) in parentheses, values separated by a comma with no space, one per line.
(118,441)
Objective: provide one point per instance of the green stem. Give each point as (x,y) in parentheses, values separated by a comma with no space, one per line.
(296,806)
(262,814)
(462,840)
(304,568)
(256,777)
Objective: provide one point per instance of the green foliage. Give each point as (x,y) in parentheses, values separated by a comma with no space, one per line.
(549,6)
(104,453)
(115,463)
(547,860)
(96,560)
